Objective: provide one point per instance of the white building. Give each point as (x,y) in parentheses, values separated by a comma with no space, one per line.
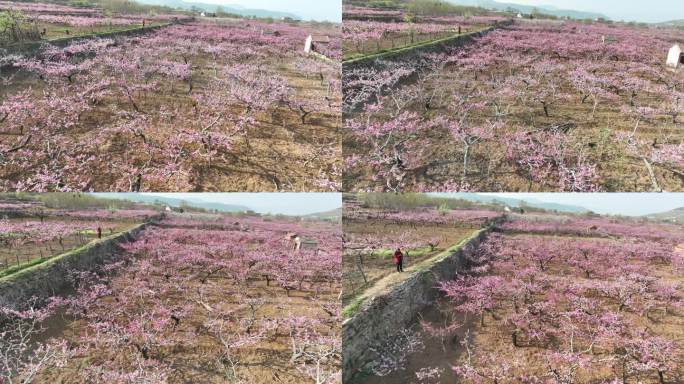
(675,58)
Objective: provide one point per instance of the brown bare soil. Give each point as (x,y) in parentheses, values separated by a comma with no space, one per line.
(489,169)
(279,153)
(263,363)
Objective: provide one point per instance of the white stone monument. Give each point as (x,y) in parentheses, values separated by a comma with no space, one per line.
(674,57)
(308,44)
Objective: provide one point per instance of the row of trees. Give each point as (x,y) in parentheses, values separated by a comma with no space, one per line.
(417,217)
(598,227)
(16,233)
(360,34)
(576,327)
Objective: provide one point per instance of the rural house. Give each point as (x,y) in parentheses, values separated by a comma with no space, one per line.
(675,57)
(313,40)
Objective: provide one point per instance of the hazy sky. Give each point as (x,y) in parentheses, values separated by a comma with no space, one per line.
(329,10)
(631,204)
(629,10)
(283,203)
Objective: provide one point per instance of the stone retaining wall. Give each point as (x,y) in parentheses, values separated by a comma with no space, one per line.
(380,317)
(51,277)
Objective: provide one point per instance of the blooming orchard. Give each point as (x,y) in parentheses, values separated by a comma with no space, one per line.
(544,105)
(558,306)
(161,312)
(175,109)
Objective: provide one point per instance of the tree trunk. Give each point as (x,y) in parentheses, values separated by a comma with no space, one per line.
(466,154)
(652,176)
(359,265)
(514,337)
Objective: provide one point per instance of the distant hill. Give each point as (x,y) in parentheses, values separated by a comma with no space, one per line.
(527,9)
(673,23)
(334,215)
(225,8)
(512,202)
(675,215)
(172,202)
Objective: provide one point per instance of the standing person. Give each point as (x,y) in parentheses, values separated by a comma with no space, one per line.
(99,232)
(399,260)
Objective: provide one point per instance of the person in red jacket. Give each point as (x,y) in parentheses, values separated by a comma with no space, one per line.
(399,260)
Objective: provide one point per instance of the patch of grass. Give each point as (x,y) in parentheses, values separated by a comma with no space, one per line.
(22,269)
(18,267)
(351,309)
